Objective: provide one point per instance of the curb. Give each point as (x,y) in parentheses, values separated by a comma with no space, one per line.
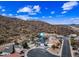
(26,52)
(61,48)
(71,48)
(60,52)
(25,55)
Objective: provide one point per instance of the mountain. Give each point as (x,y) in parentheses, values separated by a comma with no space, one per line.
(76,25)
(16,29)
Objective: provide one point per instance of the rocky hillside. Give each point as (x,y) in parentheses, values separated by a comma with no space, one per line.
(75,25)
(14,29)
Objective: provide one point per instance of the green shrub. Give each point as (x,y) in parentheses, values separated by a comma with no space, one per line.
(73,42)
(0,52)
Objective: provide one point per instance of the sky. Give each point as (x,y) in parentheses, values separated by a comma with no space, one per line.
(53,12)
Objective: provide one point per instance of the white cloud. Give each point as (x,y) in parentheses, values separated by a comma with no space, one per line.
(69,5)
(16,14)
(3,10)
(46,8)
(3,14)
(52,12)
(32,13)
(31,10)
(37,8)
(34,18)
(75,20)
(43,16)
(63,12)
(25,17)
(25,9)
(50,16)
(10,14)
(71,21)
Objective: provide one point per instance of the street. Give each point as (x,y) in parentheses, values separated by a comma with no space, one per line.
(66,48)
(38,52)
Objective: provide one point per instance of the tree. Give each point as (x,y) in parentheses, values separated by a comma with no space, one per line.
(13,49)
(16,43)
(53,46)
(0,52)
(73,42)
(25,45)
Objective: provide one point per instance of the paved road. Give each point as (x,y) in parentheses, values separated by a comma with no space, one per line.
(38,52)
(66,48)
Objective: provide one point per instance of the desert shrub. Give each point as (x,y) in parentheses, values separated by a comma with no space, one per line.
(53,46)
(2,41)
(73,42)
(25,45)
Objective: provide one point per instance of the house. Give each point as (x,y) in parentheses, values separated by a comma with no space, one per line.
(18,48)
(73,35)
(60,36)
(8,50)
(76,38)
(53,41)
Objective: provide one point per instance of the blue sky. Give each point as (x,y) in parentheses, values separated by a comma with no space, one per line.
(54,12)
